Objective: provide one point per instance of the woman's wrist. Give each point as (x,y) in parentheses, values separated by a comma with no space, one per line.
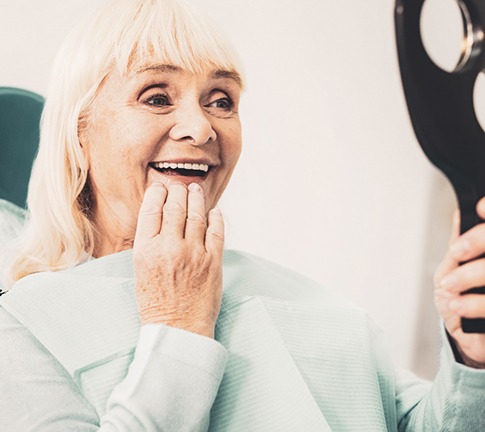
(202,329)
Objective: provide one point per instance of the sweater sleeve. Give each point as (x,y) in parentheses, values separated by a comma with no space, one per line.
(171,384)
(455,401)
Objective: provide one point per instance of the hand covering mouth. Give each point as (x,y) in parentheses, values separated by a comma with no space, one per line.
(183,169)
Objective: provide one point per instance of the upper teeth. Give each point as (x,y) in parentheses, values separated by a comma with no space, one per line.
(187,166)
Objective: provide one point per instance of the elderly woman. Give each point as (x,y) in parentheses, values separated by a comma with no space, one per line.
(116,320)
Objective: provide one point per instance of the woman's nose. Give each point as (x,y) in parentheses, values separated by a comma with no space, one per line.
(192,125)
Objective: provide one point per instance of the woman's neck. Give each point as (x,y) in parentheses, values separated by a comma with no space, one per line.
(113,232)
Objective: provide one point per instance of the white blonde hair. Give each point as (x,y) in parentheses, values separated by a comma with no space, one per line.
(124,33)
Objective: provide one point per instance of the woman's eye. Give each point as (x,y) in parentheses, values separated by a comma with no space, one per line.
(158,100)
(222,103)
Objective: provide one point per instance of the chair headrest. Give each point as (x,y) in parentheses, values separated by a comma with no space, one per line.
(20,113)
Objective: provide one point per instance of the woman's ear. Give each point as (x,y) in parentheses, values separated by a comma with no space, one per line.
(82,130)
(83,139)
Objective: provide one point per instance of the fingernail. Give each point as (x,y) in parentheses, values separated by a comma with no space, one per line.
(216,211)
(448,282)
(194,187)
(460,248)
(455,305)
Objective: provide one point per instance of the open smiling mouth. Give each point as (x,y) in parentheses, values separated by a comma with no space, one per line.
(181,169)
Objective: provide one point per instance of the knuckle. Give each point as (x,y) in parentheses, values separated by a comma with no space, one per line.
(150,209)
(216,235)
(173,208)
(193,216)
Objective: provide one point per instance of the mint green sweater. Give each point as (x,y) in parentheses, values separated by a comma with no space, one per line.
(289,356)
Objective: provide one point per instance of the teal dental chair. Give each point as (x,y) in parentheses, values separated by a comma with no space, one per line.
(20,112)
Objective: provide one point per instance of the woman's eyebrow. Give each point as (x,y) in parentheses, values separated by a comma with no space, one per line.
(217,74)
(157,68)
(223,73)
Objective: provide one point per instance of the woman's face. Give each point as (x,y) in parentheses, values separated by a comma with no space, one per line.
(160,123)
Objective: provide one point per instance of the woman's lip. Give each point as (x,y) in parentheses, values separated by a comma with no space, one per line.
(177,178)
(188,161)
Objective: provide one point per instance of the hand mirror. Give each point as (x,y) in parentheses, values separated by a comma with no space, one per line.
(441,108)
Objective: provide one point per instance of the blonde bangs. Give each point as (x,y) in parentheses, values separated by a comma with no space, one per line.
(167,32)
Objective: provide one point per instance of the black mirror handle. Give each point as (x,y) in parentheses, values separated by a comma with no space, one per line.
(441,108)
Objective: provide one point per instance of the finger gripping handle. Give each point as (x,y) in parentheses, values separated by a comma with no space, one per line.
(476,325)
(472,325)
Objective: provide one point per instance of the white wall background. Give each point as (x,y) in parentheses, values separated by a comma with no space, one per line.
(332,181)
